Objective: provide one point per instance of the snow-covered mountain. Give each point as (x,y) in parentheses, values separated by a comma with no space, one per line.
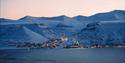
(106,27)
(19,33)
(103,32)
(113,15)
(107,16)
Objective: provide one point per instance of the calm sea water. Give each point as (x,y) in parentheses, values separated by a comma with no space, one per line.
(87,55)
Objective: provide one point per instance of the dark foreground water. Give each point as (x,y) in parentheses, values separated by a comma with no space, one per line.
(97,55)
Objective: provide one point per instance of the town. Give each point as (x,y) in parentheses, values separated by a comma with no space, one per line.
(61,42)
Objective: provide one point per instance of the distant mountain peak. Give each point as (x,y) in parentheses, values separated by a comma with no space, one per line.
(27,17)
(118,11)
(62,16)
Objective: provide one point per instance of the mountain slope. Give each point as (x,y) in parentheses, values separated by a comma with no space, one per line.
(100,28)
(19,33)
(104,32)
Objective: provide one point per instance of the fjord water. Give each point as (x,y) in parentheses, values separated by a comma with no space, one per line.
(84,55)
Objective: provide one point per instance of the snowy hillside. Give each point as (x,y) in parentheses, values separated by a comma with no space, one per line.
(19,33)
(103,32)
(106,27)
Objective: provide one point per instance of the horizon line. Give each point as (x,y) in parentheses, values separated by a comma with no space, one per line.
(63,15)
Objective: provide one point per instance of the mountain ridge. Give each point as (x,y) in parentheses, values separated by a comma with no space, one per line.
(99,16)
(100,28)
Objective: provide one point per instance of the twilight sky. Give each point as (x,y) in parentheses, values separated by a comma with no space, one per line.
(15,9)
